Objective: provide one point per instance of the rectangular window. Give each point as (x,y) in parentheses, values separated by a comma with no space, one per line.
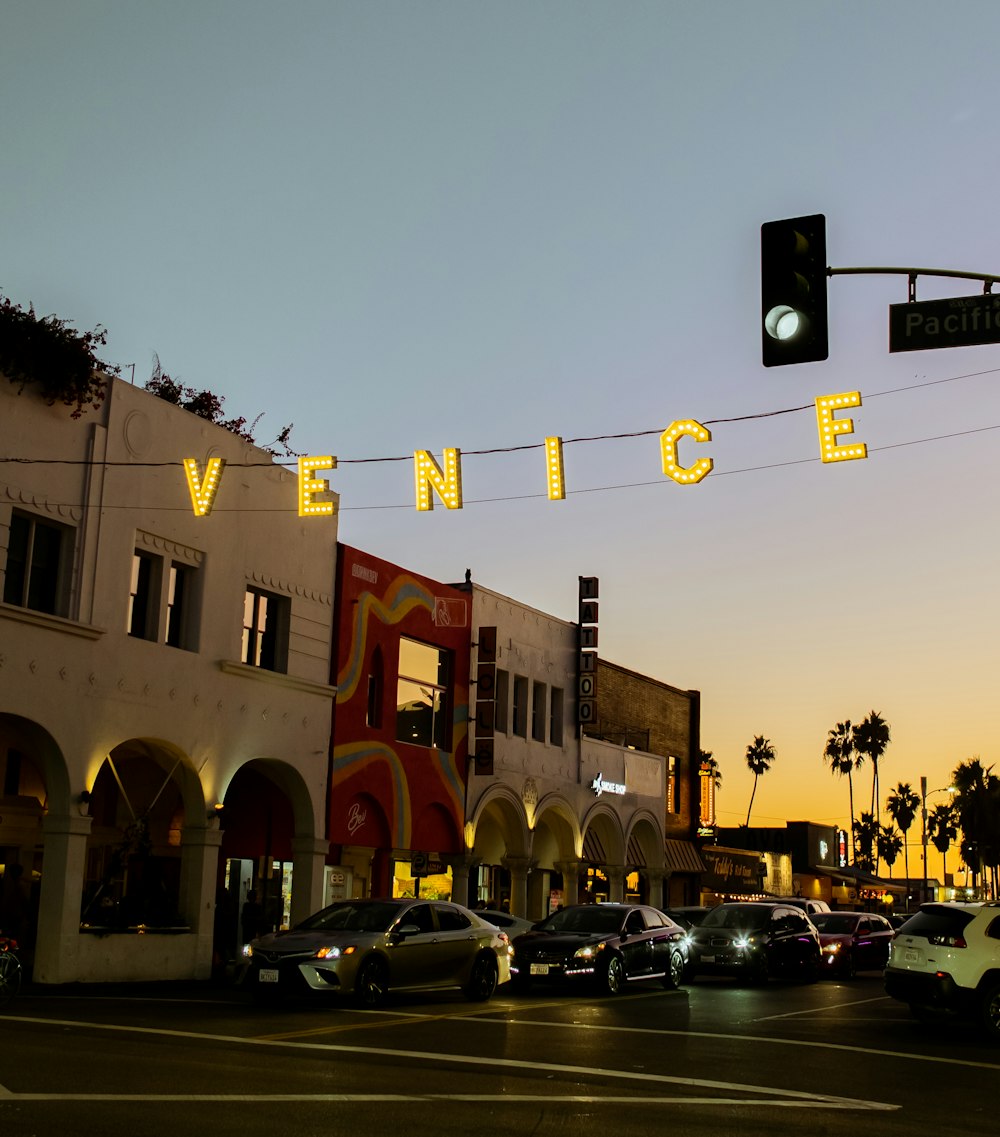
(265,630)
(37,557)
(538,692)
(181,632)
(142,611)
(502,701)
(422,694)
(519,725)
(556,717)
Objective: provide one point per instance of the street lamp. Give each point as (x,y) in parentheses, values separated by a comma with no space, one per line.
(924,795)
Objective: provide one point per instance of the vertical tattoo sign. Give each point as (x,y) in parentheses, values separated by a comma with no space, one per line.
(586,693)
(486,681)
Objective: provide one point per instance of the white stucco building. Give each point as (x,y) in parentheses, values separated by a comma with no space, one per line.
(151,662)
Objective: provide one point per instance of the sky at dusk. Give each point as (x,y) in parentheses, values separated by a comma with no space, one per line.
(418,225)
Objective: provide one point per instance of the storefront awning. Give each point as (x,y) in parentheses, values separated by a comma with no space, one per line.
(593,850)
(635,856)
(682,856)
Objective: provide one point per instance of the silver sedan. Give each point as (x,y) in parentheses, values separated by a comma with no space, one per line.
(365,948)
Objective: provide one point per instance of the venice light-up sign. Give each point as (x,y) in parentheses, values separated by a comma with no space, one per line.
(430,478)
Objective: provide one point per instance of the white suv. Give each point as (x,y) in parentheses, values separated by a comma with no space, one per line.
(946,957)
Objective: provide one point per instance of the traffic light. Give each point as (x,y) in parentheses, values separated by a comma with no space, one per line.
(793,290)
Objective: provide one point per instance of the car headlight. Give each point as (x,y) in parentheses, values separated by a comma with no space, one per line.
(743,942)
(335,952)
(590,951)
(831,949)
(248,951)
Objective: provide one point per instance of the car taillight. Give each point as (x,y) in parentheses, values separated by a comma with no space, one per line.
(948,941)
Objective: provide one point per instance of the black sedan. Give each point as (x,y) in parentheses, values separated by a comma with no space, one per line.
(610,944)
(853,941)
(754,941)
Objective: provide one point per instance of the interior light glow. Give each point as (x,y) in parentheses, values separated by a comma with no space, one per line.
(447,483)
(203,491)
(684,475)
(554,468)
(830,427)
(308,485)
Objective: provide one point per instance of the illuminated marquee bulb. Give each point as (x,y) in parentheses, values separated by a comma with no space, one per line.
(447,483)
(684,475)
(829,427)
(554,468)
(308,485)
(203,491)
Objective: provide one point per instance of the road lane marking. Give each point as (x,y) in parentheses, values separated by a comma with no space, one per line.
(823,1010)
(506,1099)
(493,1064)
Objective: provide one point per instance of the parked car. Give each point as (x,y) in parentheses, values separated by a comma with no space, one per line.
(809,906)
(610,944)
(365,948)
(512,925)
(946,959)
(754,940)
(853,941)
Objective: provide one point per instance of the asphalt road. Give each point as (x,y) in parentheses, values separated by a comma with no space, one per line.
(714,1058)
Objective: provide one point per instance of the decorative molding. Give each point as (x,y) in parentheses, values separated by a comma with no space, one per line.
(63,512)
(273,584)
(277,679)
(169,548)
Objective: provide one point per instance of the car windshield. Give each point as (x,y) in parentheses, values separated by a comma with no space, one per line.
(746,917)
(373,916)
(589,918)
(834,921)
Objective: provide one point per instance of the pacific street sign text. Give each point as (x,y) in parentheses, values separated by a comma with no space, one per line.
(957,322)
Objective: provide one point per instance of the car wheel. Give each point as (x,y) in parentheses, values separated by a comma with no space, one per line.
(675,971)
(483,980)
(989,1012)
(614,976)
(372,984)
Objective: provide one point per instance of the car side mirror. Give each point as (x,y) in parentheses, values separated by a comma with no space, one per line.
(407,930)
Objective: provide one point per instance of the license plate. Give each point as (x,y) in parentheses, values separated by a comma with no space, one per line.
(708,959)
(539,969)
(267,975)
(911,956)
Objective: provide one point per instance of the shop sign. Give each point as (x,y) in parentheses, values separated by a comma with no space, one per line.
(600,786)
(730,871)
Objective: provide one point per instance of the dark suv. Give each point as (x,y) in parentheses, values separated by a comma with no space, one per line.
(754,941)
(946,958)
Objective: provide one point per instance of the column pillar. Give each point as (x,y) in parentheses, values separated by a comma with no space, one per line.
(461,869)
(518,869)
(57,947)
(616,883)
(571,881)
(308,864)
(199,873)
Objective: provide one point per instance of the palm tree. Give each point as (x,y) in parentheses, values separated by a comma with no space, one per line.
(977,793)
(942,831)
(844,759)
(760,755)
(902,805)
(871,737)
(865,831)
(888,842)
